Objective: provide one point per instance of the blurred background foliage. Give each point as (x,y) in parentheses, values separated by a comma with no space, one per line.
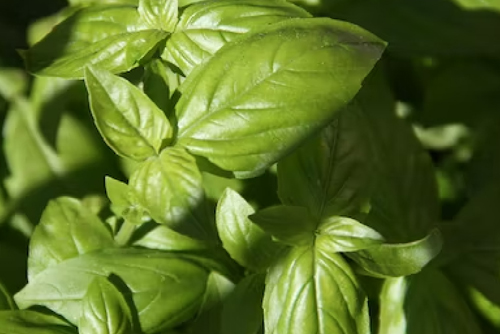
(442,63)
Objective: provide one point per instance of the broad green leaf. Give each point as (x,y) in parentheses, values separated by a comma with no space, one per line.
(205,27)
(112,37)
(403,204)
(292,225)
(245,242)
(314,67)
(342,234)
(242,310)
(166,288)
(424,303)
(41,27)
(6,302)
(130,123)
(159,14)
(26,321)
(329,174)
(105,310)
(312,291)
(67,229)
(156,85)
(392,260)
(170,188)
(100,2)
(164,238)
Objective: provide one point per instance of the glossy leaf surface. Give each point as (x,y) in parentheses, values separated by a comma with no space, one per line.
(104,310)
(303,292)
(205,27)
(292,80)
(391,260)
(67,229)
(246,242)
(159,14)
(94,36)
(130,123)
(166,288)
(170,188)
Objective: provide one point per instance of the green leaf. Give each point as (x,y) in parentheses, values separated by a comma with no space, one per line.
(166,288)
(392,260)
(242,311)
(342,234)
(245,242)
(164,238)
(424,303)
(170,188)
(156,85)
(404,203)
(314,67)
(312,291)
(111,37)
(130,123)
(67,229)
(100,2)
(6,302)
(26,321)
(104,310)
(159,14)
(329,174)
(292,225)
(205,27)
(124,202)
(12,83)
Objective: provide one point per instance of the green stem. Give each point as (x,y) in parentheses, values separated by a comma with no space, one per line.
(125,233)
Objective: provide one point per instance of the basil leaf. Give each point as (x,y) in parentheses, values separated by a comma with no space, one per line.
(245,242)
(205,27)
(166,288)
(6,302)
(104,310)
(156,85)
(112,37)
(342,234)
(242,310)
(12,83)
(170,188)
(159,14)
(292,225)
(67,229)
(329,174)
(406,301)
(391,260)
(130,123)
(404,204)
(164,238)
(26,321)
(313,65)
(303,291)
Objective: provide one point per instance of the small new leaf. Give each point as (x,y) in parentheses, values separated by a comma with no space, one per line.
(342,234)
(105,310)
(245,242)
(159,14)
(392,260)
(170,188)
(130,123)
(292,225)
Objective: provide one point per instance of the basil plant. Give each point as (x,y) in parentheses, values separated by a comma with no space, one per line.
(204,102)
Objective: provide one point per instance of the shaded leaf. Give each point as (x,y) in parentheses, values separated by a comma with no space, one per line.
(26,321)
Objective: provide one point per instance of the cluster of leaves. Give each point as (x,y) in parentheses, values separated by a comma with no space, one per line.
(263,175)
